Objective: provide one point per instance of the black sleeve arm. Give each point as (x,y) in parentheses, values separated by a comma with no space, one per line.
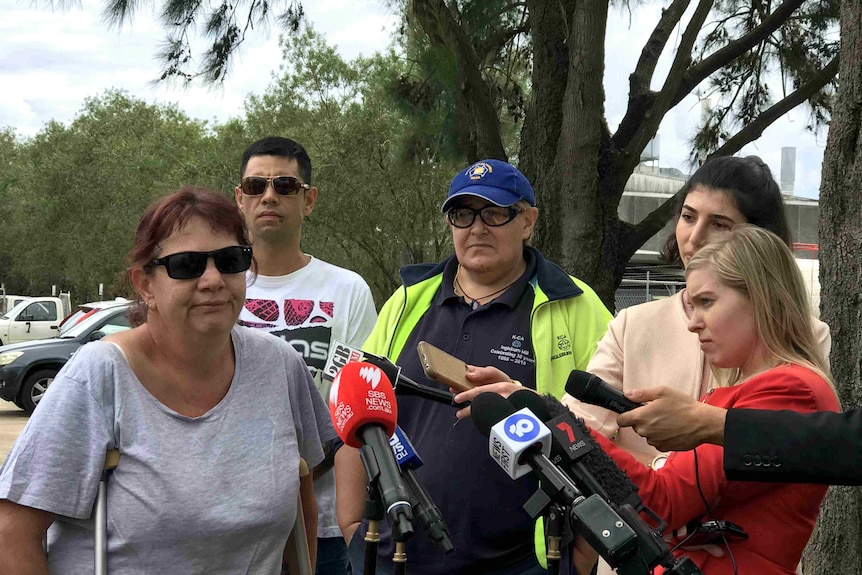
(786,446)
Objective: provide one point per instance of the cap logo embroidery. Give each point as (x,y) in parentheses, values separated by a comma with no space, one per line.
(478,171)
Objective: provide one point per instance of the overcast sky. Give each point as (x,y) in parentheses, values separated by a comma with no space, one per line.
(50,61)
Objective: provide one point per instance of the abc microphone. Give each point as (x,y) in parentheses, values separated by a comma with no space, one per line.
(364,413)
(591,389)
(426,511)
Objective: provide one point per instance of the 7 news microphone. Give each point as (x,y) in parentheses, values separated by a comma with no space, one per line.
(364,413)
(595,472)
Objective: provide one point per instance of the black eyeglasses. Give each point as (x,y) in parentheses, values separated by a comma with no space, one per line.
(190,265)
(283,185)
(493,216)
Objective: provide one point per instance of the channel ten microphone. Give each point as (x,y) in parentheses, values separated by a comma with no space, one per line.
(423,506)
(591,389)
(519,443)
(364,413)
(595,472)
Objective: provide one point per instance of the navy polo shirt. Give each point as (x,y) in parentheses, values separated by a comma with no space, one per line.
(481,505)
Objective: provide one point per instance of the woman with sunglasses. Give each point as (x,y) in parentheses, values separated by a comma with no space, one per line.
(210,419)
(752,320)
(496,303)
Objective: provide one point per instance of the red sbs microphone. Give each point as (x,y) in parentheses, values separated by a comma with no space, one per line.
(364,412)
(361,394)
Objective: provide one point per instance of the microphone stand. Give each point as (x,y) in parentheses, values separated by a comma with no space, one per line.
(554,533)
(399,558)
(374,512)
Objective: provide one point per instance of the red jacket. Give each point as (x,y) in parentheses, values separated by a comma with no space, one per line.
(779,518)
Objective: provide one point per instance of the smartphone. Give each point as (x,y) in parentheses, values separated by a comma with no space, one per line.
(440,366)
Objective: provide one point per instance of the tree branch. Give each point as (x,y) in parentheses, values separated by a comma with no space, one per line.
(495,42)
(703,69)
(655,221)
(640,95)
(444,31)
(663,101)
(753,130)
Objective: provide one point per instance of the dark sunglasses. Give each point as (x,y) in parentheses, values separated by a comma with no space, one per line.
(463,217)
(283,185)
(190,265)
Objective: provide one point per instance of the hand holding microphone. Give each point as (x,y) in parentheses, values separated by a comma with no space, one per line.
(673,421)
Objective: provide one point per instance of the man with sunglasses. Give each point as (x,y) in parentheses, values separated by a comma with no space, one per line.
(295,296)
(498,303)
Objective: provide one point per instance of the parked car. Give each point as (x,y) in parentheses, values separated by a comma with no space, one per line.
(27,369)
(8,301)
(32,319)
(86,310)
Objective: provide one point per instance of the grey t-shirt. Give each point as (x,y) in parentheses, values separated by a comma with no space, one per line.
(210,494)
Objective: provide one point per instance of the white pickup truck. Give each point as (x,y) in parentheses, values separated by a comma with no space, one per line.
(33,318)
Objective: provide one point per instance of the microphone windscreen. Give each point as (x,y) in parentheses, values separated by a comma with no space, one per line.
(361,394)
(600,465)
(487,409)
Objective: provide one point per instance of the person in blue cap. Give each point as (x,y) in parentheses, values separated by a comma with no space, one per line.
(499,304)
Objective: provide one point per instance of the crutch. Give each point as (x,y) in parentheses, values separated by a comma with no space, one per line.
(112,458)
(303,557)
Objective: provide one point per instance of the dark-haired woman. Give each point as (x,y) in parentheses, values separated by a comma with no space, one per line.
(649,344)
(211,420)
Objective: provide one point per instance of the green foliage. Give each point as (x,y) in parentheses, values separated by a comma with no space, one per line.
(223,24)
(428,89)
(82,188)
(72,194)
(375,210)
(788,58)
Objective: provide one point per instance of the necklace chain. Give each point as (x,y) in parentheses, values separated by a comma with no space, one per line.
(456,287)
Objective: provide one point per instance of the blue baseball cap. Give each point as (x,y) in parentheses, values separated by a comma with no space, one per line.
(496,181)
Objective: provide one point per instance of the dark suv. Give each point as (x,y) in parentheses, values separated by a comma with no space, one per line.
(28,368)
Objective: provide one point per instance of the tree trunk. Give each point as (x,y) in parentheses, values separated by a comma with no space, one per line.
(836,545)
(565,136)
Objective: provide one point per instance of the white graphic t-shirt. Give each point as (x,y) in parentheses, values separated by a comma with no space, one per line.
(309,308)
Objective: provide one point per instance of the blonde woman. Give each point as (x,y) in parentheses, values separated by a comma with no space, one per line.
(752,320)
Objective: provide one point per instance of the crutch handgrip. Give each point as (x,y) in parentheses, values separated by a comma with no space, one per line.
(303,468)
(112,459)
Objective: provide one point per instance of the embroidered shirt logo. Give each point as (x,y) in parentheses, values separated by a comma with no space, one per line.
(563,343)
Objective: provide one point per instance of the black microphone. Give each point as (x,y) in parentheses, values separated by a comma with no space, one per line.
(423,506)
(591,389)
